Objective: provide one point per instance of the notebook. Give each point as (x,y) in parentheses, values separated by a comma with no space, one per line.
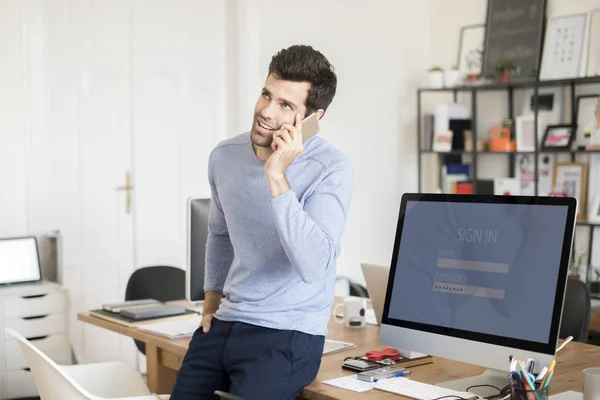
(117,318)
(152,311)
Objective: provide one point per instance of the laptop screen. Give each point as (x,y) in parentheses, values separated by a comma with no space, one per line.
(19,261)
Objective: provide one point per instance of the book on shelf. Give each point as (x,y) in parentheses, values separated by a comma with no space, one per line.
(453,173)
(427,137)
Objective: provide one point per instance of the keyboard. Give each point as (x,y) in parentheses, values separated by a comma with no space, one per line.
(418,390)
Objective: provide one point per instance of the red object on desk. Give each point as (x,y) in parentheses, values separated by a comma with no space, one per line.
(389,352)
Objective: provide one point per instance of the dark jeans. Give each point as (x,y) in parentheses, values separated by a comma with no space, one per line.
(249,361)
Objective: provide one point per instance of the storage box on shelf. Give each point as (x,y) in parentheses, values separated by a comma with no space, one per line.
(38,312)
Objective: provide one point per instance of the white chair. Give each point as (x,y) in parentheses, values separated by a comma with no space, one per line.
(100,381)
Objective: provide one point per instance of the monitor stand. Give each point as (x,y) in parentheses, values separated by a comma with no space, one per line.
(489,377)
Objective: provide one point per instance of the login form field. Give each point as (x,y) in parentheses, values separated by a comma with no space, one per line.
(488,268)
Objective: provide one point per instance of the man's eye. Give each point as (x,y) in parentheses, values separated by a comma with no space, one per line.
(287,106)
(265,95)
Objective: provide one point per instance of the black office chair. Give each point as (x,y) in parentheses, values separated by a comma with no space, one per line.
(220,395)
(163,283)
(576,311)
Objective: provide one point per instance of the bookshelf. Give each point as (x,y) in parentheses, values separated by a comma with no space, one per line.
(534,84)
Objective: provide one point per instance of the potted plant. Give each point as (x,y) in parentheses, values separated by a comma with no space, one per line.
(452,77)
(505,69)
(436,77)
(595,285)
(575,267)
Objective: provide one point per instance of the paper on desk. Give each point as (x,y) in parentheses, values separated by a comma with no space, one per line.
(350,382)
(570,395)
(370,317)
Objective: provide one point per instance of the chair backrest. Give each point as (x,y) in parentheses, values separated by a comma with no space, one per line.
(51,382)
(163,283)
(576,311)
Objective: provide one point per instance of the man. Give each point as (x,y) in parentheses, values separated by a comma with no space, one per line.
(278,210)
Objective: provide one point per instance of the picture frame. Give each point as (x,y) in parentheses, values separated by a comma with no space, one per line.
(570,179)
(525,136)
(585,112)
(563,46)
(517,38)
(593,56)
(558,137)
(594,212)
(442,141)
(470,49)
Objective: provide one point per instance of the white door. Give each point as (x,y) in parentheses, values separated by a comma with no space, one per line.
(179,89)
(87,63)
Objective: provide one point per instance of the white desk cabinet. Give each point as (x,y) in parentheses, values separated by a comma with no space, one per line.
(39,313)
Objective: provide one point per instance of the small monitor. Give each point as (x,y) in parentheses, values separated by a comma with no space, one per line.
(19,260)
(198,210)
(479,278)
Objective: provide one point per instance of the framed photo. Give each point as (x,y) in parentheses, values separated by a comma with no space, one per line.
(563,46)
(570,179)
(525,132)
(558,137)
(594,214)
(586,112)
(593,61)
(470,49)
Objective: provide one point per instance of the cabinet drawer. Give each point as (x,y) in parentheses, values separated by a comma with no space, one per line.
(36,327)
(56,347)
(19,384)
(51,303)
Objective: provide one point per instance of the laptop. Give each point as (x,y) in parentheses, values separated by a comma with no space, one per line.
(376,277)
(20,261)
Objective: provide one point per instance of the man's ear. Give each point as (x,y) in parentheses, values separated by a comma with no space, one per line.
(320,113)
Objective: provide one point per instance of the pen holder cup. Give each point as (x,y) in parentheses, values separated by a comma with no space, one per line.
(516,393)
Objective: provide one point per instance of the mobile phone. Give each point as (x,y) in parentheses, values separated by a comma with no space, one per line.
(360,365)
(379,374)
(310,127)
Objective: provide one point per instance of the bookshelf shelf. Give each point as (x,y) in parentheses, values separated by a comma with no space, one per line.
(517,85)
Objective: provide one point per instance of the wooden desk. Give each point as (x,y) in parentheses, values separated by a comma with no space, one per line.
(164,357)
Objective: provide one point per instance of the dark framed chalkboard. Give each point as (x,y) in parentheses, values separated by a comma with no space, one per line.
(514,31)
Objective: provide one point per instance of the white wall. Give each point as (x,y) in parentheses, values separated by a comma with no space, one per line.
(445,29)
(13,201)
(377,48)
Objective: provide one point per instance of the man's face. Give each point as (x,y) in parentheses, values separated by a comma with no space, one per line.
(278,103)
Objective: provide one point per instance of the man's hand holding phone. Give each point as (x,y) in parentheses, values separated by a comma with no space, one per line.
(287,145)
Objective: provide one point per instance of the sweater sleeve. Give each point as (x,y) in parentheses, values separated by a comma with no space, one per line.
(219,249)
(311,235)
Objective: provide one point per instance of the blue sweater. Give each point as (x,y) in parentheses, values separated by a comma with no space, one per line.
(274,259)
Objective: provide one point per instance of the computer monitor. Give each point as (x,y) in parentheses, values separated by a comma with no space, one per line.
(198,210)
(479,278)
(19,260)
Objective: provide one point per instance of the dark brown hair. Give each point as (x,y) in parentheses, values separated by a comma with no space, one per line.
(301,63)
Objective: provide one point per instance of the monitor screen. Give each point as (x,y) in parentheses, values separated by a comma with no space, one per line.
(198,213)
(486,271)
(19,261)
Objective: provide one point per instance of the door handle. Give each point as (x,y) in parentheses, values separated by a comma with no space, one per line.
(128,189)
